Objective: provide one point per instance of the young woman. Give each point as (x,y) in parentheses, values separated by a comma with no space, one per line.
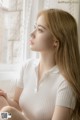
(49,87)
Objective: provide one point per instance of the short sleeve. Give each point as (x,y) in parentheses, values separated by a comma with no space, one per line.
(65,95)
(21,74)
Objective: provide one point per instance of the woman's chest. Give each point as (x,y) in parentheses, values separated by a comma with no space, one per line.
(39,98)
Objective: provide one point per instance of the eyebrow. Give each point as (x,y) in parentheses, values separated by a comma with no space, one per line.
(42,26)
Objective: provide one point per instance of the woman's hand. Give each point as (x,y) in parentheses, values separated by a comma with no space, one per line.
(3,93)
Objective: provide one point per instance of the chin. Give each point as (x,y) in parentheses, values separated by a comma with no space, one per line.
(35,49)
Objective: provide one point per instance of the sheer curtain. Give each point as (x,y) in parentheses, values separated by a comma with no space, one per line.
(30,10)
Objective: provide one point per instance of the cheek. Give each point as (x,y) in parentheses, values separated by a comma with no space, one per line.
(45,42)
(42,42)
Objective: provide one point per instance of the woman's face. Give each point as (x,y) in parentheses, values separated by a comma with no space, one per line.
(41,38)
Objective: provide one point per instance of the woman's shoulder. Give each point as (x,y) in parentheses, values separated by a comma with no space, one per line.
(62,80)
(63,83)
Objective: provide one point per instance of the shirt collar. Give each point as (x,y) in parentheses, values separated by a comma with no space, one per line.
(54,69)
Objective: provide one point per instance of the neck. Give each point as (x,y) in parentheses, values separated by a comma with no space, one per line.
(47,61)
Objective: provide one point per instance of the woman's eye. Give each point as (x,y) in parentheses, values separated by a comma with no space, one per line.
(40,30)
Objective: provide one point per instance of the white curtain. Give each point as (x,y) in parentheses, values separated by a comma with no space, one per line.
(30,10)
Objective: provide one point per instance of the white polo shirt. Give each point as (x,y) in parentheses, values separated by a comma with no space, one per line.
(38,99)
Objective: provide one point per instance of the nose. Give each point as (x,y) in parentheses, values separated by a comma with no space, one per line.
(32,34)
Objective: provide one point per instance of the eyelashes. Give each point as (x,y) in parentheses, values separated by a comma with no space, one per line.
(40,30)
(37,28)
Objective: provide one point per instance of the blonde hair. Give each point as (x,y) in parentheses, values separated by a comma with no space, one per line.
(63,26)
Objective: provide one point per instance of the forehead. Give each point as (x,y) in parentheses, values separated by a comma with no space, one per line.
(41,20)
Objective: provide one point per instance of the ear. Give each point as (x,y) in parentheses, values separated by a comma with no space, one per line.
(56,43)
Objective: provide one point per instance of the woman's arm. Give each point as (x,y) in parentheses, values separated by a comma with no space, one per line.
(15,101)
(62,113)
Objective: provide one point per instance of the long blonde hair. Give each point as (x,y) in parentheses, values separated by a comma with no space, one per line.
(64,27)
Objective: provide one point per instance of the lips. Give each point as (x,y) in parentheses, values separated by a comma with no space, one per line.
(31,42)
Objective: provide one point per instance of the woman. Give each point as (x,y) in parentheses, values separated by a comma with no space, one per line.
(49,87)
